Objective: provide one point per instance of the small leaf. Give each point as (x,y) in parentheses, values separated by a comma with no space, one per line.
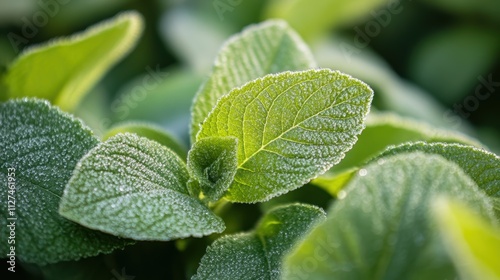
(62,71)
(382,229)
(258,254)
(480,165)
(291,127)
(473,244)
(151,132)
(212,162)
(42,145)
(269,47)
(133,187)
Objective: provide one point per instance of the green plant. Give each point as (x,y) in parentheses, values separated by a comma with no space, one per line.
(265,123)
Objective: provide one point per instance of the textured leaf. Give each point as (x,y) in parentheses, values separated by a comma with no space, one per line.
(151,132)
(43,145)
(291,127)
(258,254)
(62,71)
(269,47)
(472,243)
(312,18)
(481,166)
(212,162)
(382,229)
(133,187)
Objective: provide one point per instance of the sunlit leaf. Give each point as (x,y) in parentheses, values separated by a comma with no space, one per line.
(290,127)
(63,70)
(269,47)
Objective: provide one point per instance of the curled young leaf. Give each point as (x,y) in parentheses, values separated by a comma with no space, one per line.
(212,162)
(134,187)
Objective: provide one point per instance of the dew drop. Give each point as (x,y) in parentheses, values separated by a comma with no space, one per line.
(362,172)
(341,194)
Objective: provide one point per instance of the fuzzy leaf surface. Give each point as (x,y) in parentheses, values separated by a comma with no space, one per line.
(382,228)
(269,47)
(212,161)
(290,127)
(43,145)
(63,70)
(134,187)
(258,254)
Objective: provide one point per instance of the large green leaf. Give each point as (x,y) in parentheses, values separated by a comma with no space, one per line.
(481,166)
(472,243)
(43,145)
(258,254)
(212,162)
(312,18)
(382,229)
(290,127)
(270,47)
(63,70)
(133,187)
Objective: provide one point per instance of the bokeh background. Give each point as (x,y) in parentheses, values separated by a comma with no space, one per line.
(436,61)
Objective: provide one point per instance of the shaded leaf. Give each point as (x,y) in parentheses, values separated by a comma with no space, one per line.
(269,47)
(152,132)
(212,162)
(258,254)
(473,243)
(63,70)
(133,187)
(382,229)
(43,145)
(290,127)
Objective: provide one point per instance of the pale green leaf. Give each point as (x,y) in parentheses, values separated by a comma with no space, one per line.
(63,70)
(382,228)
(473,244)
(133,187)
(212,162)
(291,127)
(151,132)
(258,254)
(269,47)
(385,129)
(481,166)
(312,18)
(43,145)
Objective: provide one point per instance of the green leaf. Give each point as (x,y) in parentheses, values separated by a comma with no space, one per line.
(258,254)
(312,18)
(150,131)
(448,63)
(43,145)
(291,127)
(385,129)
(381,229)
(269,47)
(133,187)
(473,244)
(63,70)
(212,162)
(481,166)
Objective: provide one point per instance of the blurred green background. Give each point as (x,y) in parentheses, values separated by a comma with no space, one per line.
(435,61)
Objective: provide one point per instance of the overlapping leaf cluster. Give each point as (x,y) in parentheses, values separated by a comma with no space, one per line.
(263,124)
